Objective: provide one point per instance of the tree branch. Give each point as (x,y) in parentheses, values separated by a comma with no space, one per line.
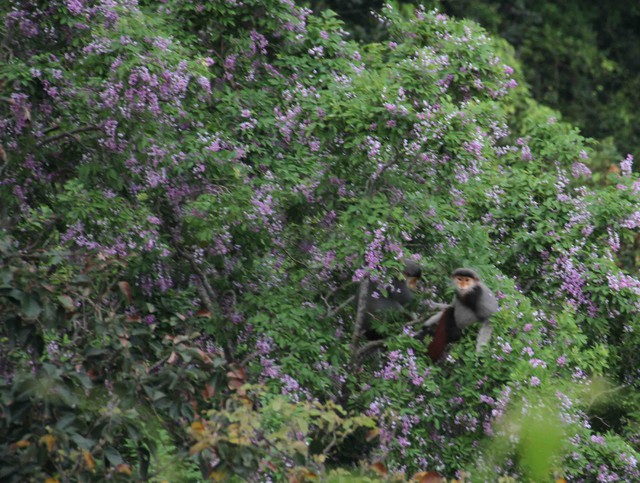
(360,314)
(4,159)
(206,292)
(67,134)
(340,307)
(368,348)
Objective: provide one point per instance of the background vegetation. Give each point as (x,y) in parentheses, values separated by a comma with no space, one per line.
(578,57)
(191,194)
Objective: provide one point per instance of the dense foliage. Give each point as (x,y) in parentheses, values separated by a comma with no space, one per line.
(191,193)
(578,57)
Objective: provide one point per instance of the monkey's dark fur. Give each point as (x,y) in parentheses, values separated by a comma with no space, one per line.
(399,295)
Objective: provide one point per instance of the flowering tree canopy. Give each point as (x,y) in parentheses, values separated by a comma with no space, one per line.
(191,193)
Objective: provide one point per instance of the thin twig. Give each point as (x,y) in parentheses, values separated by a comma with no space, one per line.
(248,358)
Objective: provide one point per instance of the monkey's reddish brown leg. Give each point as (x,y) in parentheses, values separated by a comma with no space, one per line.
(441,337)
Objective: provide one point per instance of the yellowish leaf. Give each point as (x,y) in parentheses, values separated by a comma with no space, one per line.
(204,356)
(427,477)
(124,468)
(88,460)
(49,440)
(125,288)
(380,468)
(372,434)
(320,458)
(198,427)
(218,475)
(300,447)
(208,392)
(23,443)
(173,358)
(198,447)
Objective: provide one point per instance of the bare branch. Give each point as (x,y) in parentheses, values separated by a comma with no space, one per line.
(360,314)
(368,348)
(340,307)
(67,134)
(248,359)
(3,158)
(206,292)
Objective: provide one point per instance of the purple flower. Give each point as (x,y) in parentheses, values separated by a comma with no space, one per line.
(528,351)
(626,165)
(316,52)
(506,347)
(487,400)
(230,62)
(205,84)
(74,6)
(632,222)
(538,363)
(580,169)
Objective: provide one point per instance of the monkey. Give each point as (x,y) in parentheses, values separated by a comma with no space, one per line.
(473,302)
(400,294)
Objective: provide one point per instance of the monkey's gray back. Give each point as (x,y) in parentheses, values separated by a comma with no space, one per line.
(398,295)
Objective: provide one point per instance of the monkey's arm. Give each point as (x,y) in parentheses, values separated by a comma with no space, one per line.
(425,327)
(433,320)
(439,305)
(484,335)
(487,305)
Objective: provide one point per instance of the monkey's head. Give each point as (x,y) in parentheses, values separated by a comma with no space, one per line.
(464,280)
(412,273)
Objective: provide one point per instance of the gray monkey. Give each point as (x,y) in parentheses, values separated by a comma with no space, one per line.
(473,302)
(399,295)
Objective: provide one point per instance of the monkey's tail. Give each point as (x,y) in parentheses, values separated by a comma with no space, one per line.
(442,336)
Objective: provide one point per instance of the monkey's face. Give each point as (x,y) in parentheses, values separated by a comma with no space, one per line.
(464,284)
(412,282)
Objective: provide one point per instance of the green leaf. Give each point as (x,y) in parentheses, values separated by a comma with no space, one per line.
(30,306)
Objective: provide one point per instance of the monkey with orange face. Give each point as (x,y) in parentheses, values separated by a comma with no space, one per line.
(473,302)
